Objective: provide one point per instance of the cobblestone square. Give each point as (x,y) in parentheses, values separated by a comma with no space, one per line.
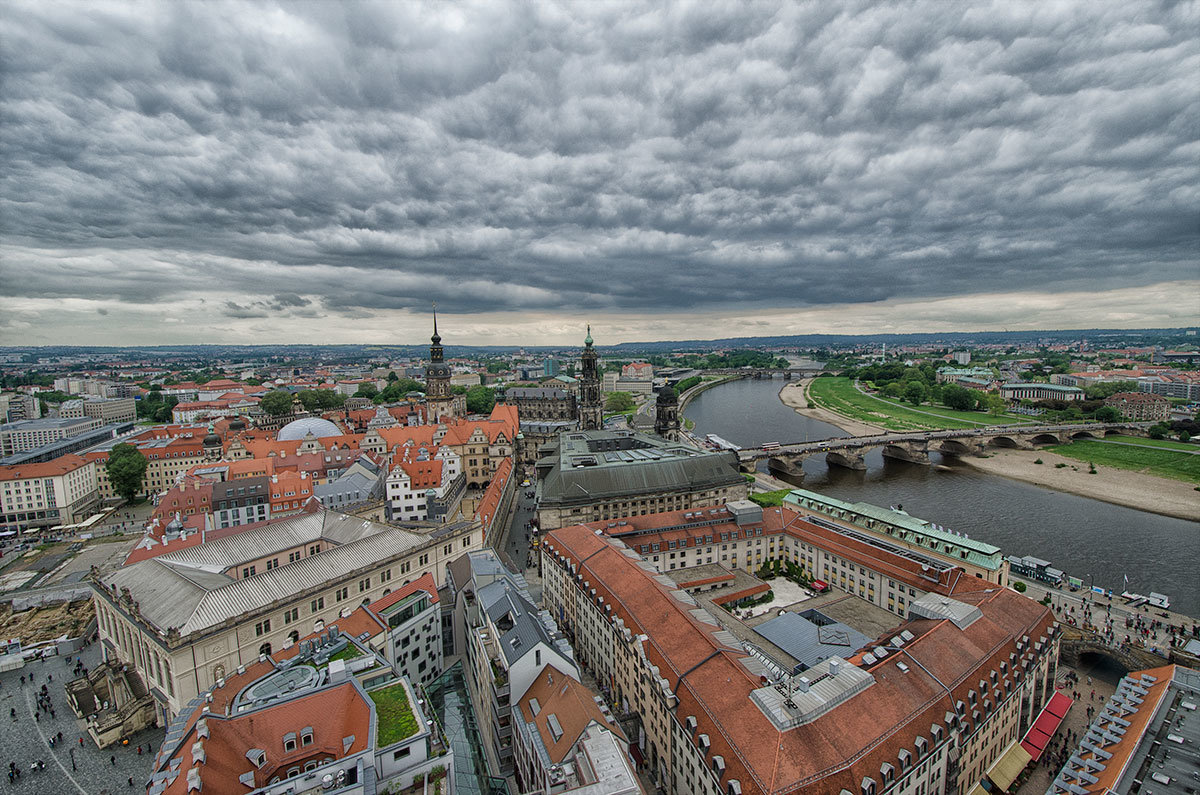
(69,766)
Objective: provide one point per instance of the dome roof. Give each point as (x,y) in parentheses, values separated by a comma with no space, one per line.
(298,429)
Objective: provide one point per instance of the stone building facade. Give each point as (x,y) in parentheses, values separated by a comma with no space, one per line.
(930,709)
(592,475)
(194,613)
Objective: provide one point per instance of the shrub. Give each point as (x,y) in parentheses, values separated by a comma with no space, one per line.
(1060,466)
(1039,461)
(1019,587)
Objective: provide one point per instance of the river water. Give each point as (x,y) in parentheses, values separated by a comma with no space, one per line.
(1089,539)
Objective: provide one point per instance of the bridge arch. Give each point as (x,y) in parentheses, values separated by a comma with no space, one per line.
(1045,438)
(1083,435)
(1004,441)
(955,448)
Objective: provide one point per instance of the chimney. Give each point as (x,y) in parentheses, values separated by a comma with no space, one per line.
(834,667)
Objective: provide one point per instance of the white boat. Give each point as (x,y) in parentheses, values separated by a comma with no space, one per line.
(1159,600)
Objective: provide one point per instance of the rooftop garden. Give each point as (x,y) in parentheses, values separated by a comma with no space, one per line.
(349,653)
(395,719)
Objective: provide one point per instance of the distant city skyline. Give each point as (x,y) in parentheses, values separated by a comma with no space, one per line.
(291,172)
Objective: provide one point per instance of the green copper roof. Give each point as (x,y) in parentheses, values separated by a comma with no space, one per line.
(588,339)
(902,526)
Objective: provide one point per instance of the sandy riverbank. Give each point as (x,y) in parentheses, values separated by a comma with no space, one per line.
(795,396)
(1118,486)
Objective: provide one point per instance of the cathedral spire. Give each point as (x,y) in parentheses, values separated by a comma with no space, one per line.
(588,340)
(435,338)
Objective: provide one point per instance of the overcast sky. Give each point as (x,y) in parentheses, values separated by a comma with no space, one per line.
(324,171)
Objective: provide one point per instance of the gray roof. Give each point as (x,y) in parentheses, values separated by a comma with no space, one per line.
(589,465)
(46,423)
(530,626)
(536,393)
(186,589)
(812,637)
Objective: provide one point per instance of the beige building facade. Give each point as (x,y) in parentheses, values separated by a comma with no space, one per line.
(189,617)
(710,727)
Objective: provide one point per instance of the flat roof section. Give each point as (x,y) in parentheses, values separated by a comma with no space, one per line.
(812,637)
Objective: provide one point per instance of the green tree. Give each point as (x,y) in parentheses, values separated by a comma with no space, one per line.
(1107,414)
(480,399)
(391,376)
(277,403)
(310,399)
(915,393)
(618,402)
(957,397)
(367,390)
(1184,436)
(126,467)
(996,405)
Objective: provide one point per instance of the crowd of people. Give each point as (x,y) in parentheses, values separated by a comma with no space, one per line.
(1136,629)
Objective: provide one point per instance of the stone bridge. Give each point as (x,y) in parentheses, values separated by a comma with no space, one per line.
(915,446)
(1078,642)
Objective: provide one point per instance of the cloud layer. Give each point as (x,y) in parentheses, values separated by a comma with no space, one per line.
(303,167)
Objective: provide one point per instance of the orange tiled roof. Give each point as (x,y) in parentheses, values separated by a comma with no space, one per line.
(573,704)
(841,747)
(423,583)
(59,466)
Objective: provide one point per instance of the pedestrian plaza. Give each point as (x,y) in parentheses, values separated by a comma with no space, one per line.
(68,767)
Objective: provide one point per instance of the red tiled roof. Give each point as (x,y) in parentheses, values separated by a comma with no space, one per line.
(423,583)
(849,742)
(573,704)
(59,466)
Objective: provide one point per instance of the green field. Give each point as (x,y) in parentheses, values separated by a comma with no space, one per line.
(770,499)
(839,395)
(1166,462)
(1166,444)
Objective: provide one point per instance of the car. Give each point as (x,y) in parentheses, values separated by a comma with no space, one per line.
(525,482)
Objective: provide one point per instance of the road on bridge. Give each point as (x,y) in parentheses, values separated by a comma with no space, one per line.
(854,442)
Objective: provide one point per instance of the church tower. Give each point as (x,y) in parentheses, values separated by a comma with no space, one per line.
(439,401)
(591,406)
(666,414)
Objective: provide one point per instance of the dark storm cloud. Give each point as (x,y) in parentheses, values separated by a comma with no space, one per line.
(531,156)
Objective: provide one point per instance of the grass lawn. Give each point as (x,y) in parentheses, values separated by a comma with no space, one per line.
(770,499)
(1163,443)
(1165,463)
(349,653)
(395,717)
(838,394)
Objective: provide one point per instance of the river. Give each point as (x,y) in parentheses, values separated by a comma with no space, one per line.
(1095,541)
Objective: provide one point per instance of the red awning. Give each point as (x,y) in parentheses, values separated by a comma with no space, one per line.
(636,753)
(820,585)
(1047,723)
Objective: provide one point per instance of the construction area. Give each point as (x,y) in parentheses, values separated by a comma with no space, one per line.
(46,623)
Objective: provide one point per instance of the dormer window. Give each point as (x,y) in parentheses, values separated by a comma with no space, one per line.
(702,743)
(289,742)
(905,759)
(306,736)
(868,786)
(718,765)
(690,724)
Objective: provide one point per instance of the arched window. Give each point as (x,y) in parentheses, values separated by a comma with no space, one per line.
(265,649)
(218,672)
(294,636)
